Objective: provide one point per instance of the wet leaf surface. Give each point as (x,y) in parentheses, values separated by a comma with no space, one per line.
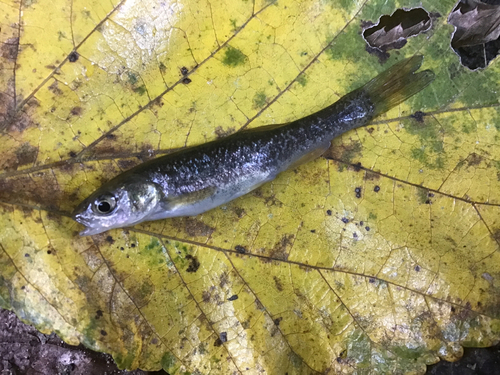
(382,256)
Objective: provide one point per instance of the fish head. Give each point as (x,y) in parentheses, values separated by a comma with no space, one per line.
(116,205)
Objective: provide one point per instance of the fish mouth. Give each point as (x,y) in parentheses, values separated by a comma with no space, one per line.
(91,231)
(80,218)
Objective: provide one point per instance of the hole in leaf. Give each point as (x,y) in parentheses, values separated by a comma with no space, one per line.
(391,32)
(476,39)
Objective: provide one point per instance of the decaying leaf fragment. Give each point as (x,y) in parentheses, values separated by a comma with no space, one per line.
(392,32)
(476,37)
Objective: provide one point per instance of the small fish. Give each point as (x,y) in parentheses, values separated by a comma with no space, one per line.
(197,179)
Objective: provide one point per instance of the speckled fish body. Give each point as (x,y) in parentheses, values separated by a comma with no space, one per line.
(217,172)
(197,179)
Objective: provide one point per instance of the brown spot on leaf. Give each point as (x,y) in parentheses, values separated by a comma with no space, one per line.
(269,200)
(240,212)
(281,249)
(466,313)
(278,284)
(108,147)
(26,154)
(84,283)
(259,305)
(127,164)
(496,235)
(76,111)
(371,176)
(205,296)
(147,152)
(54,88)
(10,49)
(40,190)
(194,264)
(141,293)
(381,55)
(474,159)
(68,167)
(197,228)
(221,133)
(223,279)
(12,119)
(344,152)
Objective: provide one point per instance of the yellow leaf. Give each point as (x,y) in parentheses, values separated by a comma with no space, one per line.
(382,257)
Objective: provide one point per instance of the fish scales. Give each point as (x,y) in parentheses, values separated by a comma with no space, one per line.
(265,152)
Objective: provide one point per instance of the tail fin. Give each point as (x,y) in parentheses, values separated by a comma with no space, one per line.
(397,84)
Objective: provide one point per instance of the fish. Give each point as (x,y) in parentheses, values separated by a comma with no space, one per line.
(199,178)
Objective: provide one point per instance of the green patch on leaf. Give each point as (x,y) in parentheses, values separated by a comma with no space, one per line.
(89,332)
(423,195)
(295,360)
(302,79)
(167,362)
(427,133)
(419,154)
(132,78)
(359,348)
(153,244)
(348,45)
(125,361)
(233,57)
(233,24)
(260,100)
(140,90)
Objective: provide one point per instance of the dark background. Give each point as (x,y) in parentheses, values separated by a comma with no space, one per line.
(23,350)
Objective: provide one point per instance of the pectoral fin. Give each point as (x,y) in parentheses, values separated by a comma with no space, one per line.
(193,197)
(184,204)
(314,154)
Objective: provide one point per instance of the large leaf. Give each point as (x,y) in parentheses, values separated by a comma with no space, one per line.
(383,259)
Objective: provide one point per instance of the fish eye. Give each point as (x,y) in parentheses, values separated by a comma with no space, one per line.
(105,204)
